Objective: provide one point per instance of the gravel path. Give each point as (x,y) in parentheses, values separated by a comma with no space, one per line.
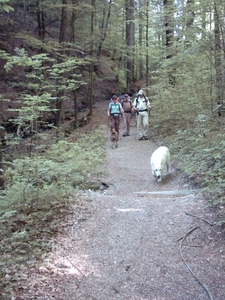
(127,244)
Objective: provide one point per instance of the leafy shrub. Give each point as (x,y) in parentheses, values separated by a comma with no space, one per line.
(36,197)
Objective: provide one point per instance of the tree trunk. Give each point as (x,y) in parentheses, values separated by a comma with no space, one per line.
(223,41)
(75,109)
(169,27)
(147,45)
(104,27)
(40,20)
(2,183)
(218,56)
(169,35)
(129,6)
(60,115)
(140,65)
(190,16)
(73,19)
(92,54)
(63,25)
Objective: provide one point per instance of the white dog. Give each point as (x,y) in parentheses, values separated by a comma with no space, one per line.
(159,160)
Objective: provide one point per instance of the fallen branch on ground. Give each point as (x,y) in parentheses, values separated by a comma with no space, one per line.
(189,214)
(181,253)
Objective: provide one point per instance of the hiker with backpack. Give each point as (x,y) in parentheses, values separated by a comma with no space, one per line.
(114,111)
(142,107)
(126,104)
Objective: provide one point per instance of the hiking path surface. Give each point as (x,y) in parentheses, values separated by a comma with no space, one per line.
(138,239)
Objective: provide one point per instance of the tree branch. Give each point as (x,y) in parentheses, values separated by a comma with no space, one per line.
(181,253)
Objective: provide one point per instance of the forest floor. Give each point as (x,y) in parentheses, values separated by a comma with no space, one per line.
(136,240)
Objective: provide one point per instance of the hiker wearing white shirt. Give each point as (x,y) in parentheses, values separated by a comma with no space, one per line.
(142,106)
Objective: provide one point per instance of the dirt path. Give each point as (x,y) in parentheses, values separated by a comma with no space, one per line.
(126,245)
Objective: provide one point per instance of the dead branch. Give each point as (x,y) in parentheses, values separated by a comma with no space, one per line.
(181,253)
(189,214)
(75,267)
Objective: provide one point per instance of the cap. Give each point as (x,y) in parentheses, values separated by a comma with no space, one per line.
(140,92)
(126,95)
(114,97)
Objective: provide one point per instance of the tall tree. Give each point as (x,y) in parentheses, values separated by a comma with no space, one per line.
(169,35)
(41,20)
(73,19)
(72,39)
(147,43)
(2,183)
(92,55)
(104,25)
(140,61)
(7,8)
(190,16)
(169,26)
(218,55)
(63,23)
(62,39)
(129,7)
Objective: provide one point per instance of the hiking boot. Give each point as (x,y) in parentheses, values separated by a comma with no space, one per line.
(145,138)
(141,138)
(125,134)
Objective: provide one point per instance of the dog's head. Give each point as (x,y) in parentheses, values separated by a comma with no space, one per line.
(114,135)
(158,173)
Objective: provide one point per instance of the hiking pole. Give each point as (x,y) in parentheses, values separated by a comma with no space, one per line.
(107,129)
(149,121)
(136,124)
(121,123)
(136,133)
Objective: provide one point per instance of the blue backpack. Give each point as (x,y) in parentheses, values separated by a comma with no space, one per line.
(114,108)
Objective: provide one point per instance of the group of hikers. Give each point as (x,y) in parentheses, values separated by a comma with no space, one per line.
(141,106)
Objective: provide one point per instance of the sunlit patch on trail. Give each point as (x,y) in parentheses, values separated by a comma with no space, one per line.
(127,209)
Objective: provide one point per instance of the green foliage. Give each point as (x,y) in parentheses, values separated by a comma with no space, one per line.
(195,140)
(32,111)
(58,70)
(37,196)
(5,7)
(44,73)
(185,115)
(41,78)
(65,167)
(183,94)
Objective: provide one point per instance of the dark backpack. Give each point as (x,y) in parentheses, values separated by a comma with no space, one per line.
(128,101)
(137,99)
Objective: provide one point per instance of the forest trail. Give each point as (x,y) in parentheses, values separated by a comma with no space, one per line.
(131,240)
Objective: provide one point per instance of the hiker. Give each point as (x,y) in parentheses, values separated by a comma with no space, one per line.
(142,107)
(127,107)
(114,112)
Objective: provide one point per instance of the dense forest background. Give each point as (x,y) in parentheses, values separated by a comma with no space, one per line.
(59,57)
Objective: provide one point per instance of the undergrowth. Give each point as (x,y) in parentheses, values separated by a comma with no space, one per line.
(36,199)
(197,149)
